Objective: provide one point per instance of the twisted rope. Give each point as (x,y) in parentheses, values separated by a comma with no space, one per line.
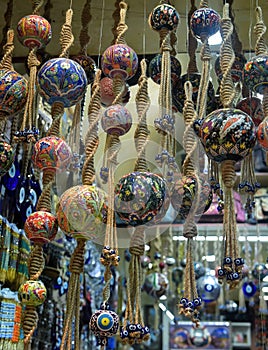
(122,27)
(7,26)
(92,138)
(203,4)
(36,262)
(66,35)
(29,323)
(141,135)
(44,201)
(57,111)
(6,62)
(192,43)
(36,5)
(85,19)
(227,57)
(260,30)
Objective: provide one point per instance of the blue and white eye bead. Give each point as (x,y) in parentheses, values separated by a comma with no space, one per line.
(123,333)
(190,306)
(221,272)
(184,301)
(105,322)
(139,327)
(236,276)
(239,261)
(132,327)
(227,261)
(197,302)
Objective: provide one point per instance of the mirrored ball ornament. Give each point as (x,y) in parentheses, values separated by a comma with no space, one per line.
(116,120)
(139,196)
(41,227)
(13,92)
(208,288)
(62,80)
(204,23)
(164,16)
(32,293)
(119,59)
(82,212)
(34,31)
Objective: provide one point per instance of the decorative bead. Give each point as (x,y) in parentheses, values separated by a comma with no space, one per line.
(139,197)
(156,65)
(34,31)
(220,338)
(256,73)
(197,302)
(13,92)
(239,261)
(226,134)
(104,323)
(227,261)
(155,284)
(178,92)
(116,120)
(7,155)
(82,212)
(249,289)
(32,293)
(88,64)
(51,152)
(204,23)
(107,93)
(62,80)
(41,227)
(164,16)
(119,60)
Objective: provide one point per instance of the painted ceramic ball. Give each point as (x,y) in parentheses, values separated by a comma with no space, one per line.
(156,284)
(13,92)
(32,293)
(51,152)
(220,338)
(88,64)
(7,156)
(139,197)
(226,133)
(104,323)
(41,227)
(34,31)
(183,194)
(107,93)
(155,69)
(116,120)
(119,59)
(178,93)
(253,107)
(180,338)
(199,337)
(204,23)
(208,288)
(206,195)
(256,74)
(237,68)
(164,16)
(262,134)
(62,80)
(82,212)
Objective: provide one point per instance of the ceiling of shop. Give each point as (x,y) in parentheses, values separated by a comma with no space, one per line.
(103,14)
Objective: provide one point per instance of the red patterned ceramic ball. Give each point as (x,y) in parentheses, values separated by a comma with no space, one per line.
(204,23)
(7,155)
(262,134)
(82,212)
(119,59)
(41,227)
(13,92)
(164,16)
(107,93)
(116,120)
(253,107)
(32,293)
(51,152)
(34,31)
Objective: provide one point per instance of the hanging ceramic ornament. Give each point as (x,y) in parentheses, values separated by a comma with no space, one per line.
(88,64)
(116,120)
(156,284)
(208,288)
(107,92)
(164,16)
(220,338)
(7,155)
(253,107)
(204,23)
(155,69)
(237,68)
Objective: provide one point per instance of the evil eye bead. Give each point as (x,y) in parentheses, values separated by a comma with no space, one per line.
(184,301)
(105,321)
(221,272)
(236,276)
(239,262)
(132,327)
(123,333)
(197,302)
(227,261)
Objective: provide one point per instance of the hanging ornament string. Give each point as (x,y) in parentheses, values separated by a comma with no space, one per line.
(190,303)
(192,43)
(6,62)
(84,37)
(133,315)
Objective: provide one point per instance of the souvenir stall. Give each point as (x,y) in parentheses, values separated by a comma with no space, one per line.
(133,175)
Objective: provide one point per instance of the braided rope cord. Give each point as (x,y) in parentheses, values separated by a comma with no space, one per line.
(66,35)
(192,43)
(84,37)
(6,62)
